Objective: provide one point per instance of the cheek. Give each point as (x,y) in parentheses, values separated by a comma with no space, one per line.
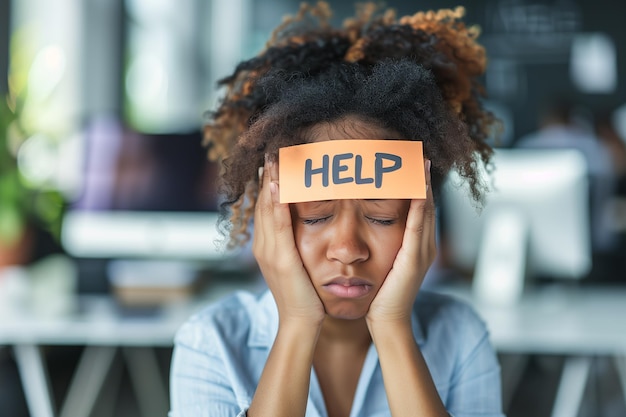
(390,244)
(307,243)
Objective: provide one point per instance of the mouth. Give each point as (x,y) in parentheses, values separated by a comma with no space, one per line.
(348,287)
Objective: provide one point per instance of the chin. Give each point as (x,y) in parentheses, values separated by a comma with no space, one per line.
(346,317)
(347,312)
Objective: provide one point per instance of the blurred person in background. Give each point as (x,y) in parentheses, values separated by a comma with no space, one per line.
(608,134)
(560,126)
(344,328)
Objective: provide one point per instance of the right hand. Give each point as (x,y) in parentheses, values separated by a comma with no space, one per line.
(275,250)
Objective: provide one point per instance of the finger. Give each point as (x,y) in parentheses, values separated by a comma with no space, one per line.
(265,192)
(420,226)
(414,229)
(429,207)
(419,208)
(281,214)
(425,224)
(263,207)
(273,169)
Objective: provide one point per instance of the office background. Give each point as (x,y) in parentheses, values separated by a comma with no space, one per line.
(142,69)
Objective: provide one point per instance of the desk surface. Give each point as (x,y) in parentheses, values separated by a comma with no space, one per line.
(99,320)
(550,320)
(582,320)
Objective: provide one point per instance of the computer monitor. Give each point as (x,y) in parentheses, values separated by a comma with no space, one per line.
(143,195)
(535,222)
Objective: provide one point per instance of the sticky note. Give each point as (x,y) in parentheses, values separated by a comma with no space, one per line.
(351,169)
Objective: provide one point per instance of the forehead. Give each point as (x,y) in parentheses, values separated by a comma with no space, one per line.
(349,127)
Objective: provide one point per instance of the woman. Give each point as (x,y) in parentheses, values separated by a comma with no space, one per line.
(343,329)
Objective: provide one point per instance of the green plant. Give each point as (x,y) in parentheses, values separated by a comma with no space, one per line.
(11,195)
(22,204)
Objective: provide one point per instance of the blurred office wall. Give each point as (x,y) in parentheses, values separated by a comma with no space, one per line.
(157,62)
(541,48)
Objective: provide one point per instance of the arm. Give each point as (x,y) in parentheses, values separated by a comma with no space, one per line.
(284,384)
(475,386)
(408,383)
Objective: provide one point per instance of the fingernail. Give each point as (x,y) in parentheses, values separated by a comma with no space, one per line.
(260,172)
(274,192)
(428,165)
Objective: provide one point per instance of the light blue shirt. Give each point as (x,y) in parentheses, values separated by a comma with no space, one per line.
(220,353)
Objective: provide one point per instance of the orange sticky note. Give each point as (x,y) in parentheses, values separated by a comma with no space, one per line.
(351,169)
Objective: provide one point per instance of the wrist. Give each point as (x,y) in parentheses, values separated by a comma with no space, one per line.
(382,318)
(390,329)
(302,328)
(308,314)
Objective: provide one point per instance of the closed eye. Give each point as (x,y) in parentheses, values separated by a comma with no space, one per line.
(382,222)
(315,220)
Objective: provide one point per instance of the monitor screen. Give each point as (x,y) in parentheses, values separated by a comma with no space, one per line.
(535,221)
(143,195)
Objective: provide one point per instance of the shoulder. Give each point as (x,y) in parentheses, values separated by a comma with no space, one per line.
(455,340)
(433,304)
(460,358)
(231,319)
(444,315)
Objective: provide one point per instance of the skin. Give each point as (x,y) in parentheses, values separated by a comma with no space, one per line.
(385,247)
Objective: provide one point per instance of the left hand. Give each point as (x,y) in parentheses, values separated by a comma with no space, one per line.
(394,301)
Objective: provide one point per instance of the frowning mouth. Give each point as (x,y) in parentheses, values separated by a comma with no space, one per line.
(348,287)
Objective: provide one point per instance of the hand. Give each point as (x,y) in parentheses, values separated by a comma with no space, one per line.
(394,301)
(275,251)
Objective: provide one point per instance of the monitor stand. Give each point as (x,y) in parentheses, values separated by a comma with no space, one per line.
(501,264)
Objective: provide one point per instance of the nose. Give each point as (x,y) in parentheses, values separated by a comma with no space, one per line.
(347,244)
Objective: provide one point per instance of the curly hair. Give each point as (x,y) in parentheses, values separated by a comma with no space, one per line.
(417,76)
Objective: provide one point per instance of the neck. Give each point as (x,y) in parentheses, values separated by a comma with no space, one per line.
(347,333)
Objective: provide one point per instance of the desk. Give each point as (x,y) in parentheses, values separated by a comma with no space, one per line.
(97,323)
(577,322)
